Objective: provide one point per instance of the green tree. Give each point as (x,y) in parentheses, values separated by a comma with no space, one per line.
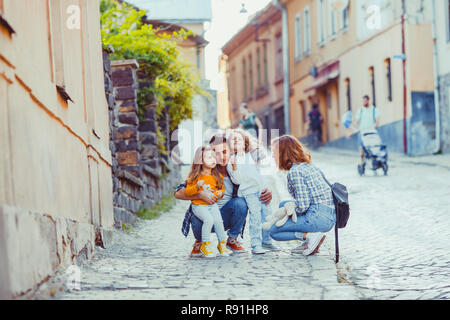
(174,83)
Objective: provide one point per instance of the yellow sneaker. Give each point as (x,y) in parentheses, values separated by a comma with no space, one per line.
(222,246)
(206,250)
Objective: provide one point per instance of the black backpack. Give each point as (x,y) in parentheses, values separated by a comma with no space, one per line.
(340,197)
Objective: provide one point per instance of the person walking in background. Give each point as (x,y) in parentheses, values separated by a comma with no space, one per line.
(367,118)
(249,121)
(315,122)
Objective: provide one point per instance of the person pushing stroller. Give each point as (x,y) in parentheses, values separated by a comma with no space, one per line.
(367,120)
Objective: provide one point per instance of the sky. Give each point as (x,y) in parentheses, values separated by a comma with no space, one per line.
(226,22)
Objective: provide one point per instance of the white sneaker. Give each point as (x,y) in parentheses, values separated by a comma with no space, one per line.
(270,247)
(258,250)
(300,249)
(315,240)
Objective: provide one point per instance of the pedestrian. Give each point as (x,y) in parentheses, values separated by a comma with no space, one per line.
(368,118)
(232,208)
(243,170)
(315,122)
(249,121)
(205,176)
(312,196)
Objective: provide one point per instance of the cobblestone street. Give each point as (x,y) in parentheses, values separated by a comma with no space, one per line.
(395,246)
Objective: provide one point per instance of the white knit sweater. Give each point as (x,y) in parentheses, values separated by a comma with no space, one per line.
(247,175)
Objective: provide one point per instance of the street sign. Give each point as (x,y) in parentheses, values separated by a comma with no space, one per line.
(400,57)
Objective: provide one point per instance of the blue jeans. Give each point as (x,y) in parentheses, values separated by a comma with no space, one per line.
(318,218)
(258,215)
(233,213)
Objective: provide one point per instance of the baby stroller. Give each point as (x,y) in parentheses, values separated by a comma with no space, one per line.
(374,151)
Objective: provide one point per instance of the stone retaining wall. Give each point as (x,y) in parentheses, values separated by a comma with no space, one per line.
(141,176)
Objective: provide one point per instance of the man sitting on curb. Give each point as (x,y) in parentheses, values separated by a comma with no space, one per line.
(232,208)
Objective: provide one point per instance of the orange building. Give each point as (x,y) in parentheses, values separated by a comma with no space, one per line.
(341,50)
(252,64)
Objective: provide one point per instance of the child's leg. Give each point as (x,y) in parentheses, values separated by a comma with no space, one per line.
(203,213)
(255,227)
(266,211)
(218,222)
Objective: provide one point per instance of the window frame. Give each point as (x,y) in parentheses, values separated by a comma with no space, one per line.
(266,66)
(258,67)
(372,85)
(345,15)
(348,93)
(244,76)
(298,36)
(307,30)
(56,43)
(250,75)
(388,65)
(304,111)
(332,21)
(279,57)
(321,22)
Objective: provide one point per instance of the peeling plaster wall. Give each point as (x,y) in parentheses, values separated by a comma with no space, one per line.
(55,164)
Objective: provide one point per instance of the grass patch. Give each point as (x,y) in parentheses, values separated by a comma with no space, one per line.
(165,205)
(126,227)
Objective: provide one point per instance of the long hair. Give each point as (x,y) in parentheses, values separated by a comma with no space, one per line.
(197,167)
(290,151)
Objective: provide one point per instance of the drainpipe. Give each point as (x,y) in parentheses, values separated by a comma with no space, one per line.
(405,91)
(437,107)
(285,39)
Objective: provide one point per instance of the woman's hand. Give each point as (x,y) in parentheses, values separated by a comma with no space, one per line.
(266,196)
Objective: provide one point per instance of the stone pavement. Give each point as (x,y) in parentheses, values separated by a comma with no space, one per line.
(152,262)
(394,247)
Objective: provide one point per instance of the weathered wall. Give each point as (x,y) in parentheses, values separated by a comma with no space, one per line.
(55,168)
(141,176)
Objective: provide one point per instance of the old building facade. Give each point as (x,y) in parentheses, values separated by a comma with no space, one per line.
(343,50)
(55,168)
(252,65)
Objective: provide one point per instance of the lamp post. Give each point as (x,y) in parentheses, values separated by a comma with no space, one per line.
(286,82)
(405,91)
